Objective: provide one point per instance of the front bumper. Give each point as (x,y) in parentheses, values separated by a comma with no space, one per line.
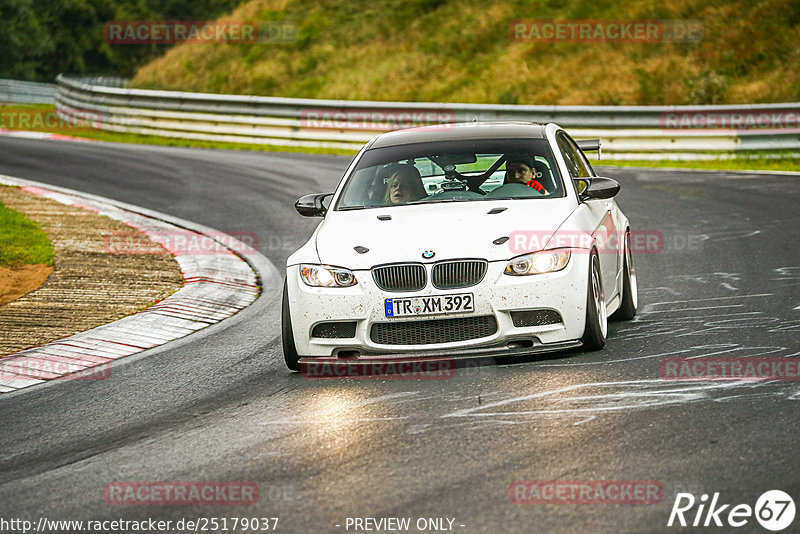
(497,295)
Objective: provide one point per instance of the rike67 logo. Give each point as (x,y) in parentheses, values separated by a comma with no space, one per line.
(774,511)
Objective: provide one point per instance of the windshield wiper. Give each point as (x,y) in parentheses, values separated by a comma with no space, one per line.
(442,201)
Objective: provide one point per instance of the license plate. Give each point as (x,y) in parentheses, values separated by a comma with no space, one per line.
(430,305)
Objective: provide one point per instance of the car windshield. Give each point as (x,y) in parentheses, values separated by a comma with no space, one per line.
(462,171)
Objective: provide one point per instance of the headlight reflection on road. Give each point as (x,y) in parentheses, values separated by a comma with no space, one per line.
(340,420)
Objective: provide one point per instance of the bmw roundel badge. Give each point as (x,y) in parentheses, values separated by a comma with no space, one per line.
(428,254)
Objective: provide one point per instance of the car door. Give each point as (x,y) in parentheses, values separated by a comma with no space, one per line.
(602,214)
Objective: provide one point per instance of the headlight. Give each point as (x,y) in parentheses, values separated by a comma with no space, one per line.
(546,261)
(326,276)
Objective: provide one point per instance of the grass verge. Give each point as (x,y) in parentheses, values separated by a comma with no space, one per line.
(737,164)
(22,241)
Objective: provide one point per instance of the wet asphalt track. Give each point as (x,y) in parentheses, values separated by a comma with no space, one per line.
(221,406)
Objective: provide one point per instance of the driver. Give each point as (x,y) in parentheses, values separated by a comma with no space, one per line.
(403,185)
(521,170)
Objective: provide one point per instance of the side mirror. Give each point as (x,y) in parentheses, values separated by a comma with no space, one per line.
(312,205)
(589,145)
(600,188)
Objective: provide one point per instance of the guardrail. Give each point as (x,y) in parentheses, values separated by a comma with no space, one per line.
(630,132)
(18,92)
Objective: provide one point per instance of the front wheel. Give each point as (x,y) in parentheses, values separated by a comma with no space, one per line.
(630,292)
(287,335)
(594,334)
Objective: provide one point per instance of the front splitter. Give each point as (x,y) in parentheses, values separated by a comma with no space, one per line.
(444,359)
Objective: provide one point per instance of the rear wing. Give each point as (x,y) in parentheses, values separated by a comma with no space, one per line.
(590,145)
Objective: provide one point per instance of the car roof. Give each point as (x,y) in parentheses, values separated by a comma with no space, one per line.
(460,132)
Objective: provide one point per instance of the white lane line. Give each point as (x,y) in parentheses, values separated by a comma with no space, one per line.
(682,351)
(584,420)
(768,350)
(704,317)
(662,396)
(711,298)
(695,309)
(734,236)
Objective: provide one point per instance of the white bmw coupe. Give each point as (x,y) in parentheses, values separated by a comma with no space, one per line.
(479,239)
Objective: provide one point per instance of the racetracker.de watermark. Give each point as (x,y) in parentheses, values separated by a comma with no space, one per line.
(51,368)
(585,492)
(642,242)
(181,493)
(782,369)
(383,369)
(602,31)
(604,241)
(179,242)
(761,119)
(61,118)
(376,119)
(137,32)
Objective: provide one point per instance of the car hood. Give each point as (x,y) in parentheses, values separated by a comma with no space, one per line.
(450,230)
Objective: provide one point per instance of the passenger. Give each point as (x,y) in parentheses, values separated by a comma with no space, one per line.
(520,169)
(404,185)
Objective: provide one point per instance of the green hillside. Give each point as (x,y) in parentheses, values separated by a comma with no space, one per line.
(462,51)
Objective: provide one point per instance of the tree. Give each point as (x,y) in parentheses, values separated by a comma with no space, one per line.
(41,38)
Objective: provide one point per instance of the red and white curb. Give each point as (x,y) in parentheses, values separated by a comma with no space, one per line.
(216,286)
(24,134)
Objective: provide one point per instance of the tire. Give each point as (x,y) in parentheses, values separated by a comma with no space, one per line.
(630,290)
(596,329)
(287,335)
